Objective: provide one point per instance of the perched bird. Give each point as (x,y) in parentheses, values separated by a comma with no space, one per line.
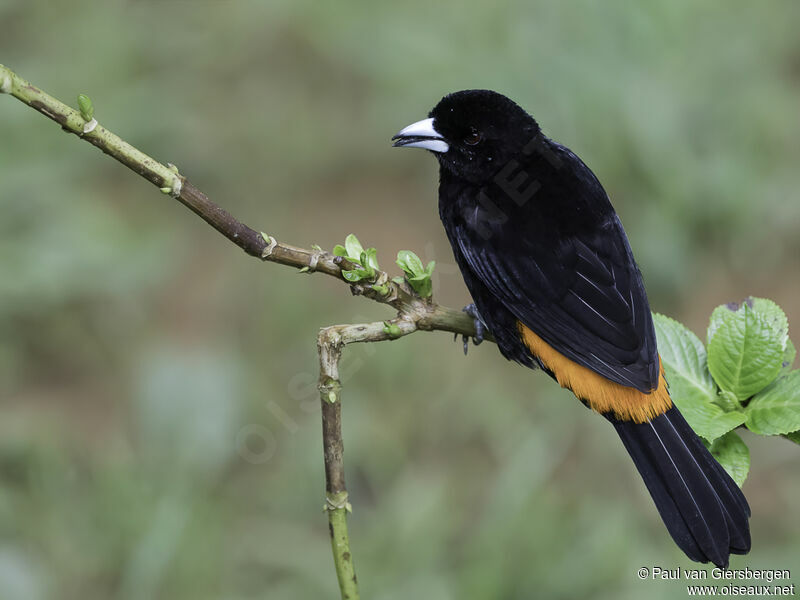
(552,277)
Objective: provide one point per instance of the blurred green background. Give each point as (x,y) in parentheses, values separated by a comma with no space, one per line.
(160,432)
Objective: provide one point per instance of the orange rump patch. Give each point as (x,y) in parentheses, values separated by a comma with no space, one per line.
(601,394)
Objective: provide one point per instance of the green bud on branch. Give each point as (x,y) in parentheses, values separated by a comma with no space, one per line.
(392,330)
(418,277)
(86,107)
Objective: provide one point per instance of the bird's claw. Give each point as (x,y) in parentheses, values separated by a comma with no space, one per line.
(480,328)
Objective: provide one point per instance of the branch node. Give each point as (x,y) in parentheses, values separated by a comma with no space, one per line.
(312,262)
(337,502)
(177,184)
(90,126)
(330,389)
(271,243)
(5,84)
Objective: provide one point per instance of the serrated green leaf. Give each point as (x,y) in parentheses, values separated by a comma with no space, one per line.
(744,353)
(690,384)
(788,357)
(766,308)
(718,315)
(410,262)
(772,314)
(353,247)
(684,359)
(339,250)
(727,401)
(776,409)
(734,456)
(707,420)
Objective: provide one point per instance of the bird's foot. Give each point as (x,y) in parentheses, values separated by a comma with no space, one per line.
(480,327)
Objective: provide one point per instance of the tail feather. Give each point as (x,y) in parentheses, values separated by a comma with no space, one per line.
(704,510)
(731,498)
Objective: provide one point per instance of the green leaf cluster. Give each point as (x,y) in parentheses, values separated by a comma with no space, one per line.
(418,276)
(366,267)
(354,252)
(744,377)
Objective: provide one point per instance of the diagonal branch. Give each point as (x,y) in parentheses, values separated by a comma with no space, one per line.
(428,316)
(413,312)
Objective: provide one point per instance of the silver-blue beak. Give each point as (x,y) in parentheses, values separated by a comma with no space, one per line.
(421,135)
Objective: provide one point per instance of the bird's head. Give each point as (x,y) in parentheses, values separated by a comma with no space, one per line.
(473,133)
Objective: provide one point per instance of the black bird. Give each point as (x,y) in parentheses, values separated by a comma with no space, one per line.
(552,276)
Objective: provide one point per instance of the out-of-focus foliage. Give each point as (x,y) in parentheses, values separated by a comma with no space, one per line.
(159,431)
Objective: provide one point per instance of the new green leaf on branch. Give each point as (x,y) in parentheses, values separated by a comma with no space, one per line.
(418,276)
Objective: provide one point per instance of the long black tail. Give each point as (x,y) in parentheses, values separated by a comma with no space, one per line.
(703,508)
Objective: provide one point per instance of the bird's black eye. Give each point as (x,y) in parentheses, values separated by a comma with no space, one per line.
(473,137)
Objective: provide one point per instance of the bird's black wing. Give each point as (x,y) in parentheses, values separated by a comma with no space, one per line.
(582,295)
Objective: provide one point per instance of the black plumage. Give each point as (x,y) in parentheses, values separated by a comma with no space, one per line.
(542,250)
(704,510)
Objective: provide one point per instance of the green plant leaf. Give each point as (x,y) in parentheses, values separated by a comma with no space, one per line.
(353,276)
(766,308)
(772,313)
(733,454)
(745,353)
(418,277)
(684,359)
(371,258)
(727,401)
(708,420)
(788,357)
(339,250)
(353,247)
(776,409)
(690,384)
(422,285)
(718,315)
(410,263)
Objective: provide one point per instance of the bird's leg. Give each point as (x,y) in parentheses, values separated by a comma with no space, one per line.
(480,327)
